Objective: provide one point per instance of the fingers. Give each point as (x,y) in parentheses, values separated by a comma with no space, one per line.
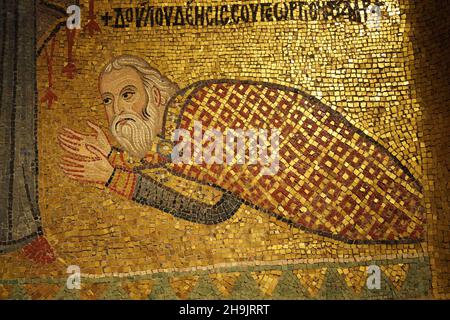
(70,143)
(75,173)
(67,169)
(95,127)
(67,147)
(75,176)
(75,152)
(71,167)
(77,135)
(68,140)
(74,162)
(95,151)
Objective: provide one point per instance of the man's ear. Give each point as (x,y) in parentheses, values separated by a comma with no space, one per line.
(156,96)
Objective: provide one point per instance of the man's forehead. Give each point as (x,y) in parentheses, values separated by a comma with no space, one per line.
(117,79)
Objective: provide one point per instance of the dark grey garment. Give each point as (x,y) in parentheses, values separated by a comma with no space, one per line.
(152,193)
(20,220)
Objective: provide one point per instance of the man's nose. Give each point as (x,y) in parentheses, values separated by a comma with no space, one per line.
(115,106)
(120,106)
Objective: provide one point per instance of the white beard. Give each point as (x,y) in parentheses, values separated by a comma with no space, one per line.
(135,135)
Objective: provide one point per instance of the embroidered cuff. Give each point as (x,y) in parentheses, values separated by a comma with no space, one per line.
(122,182)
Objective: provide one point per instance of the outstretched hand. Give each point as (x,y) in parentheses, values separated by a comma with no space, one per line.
(76,143)
(98,170)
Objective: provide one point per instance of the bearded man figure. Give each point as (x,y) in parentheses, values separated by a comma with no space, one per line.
(332,179)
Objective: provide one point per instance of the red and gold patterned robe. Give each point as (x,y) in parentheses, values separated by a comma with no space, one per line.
(333,179)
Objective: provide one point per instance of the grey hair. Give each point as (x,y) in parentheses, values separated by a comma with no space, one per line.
(150,76)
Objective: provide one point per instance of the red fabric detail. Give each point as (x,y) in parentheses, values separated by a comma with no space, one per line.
(92,26)
(70,69)
(49,96)
(39,251)
(254,112)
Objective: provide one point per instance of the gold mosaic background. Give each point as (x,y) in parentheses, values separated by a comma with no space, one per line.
(430,69)
(362,73)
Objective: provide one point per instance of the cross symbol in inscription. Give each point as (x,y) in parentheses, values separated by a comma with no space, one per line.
(106,18)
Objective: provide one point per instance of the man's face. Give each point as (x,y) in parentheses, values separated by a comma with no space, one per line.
(125,98)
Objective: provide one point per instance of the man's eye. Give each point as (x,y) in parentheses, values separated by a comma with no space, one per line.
(107,101)
(127,95)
